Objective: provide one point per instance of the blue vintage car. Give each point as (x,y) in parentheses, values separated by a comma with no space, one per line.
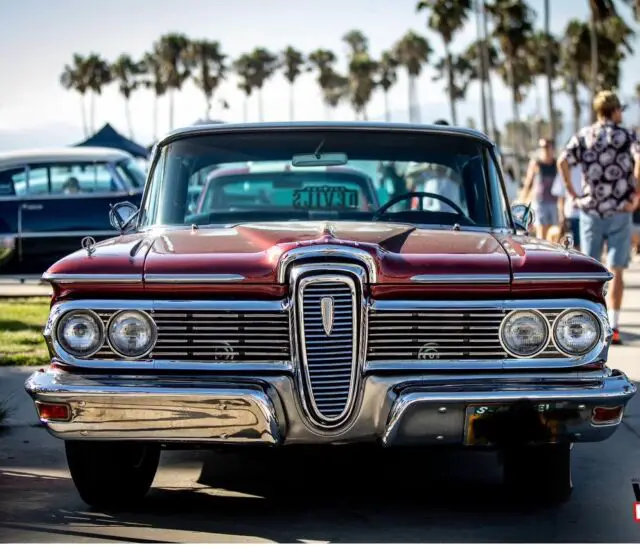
(52,198)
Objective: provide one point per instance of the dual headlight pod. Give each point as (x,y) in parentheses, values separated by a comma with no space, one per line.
(526,333)
(130,333)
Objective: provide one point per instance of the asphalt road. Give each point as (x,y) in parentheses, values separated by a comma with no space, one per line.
(315,496)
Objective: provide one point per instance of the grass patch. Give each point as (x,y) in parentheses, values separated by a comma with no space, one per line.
(21,324)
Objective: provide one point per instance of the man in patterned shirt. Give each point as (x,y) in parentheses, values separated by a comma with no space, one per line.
(609,156)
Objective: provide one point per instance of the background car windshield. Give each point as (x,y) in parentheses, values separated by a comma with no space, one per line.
(235,177)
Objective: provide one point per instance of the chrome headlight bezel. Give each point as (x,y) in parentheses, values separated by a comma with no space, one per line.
(543,346)
(60,340)
(152,341)
(597,341)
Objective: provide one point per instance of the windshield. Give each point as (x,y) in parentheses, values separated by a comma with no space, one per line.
(131,172)
(297,175)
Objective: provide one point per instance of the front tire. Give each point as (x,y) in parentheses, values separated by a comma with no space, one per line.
(539,474)
(112,474)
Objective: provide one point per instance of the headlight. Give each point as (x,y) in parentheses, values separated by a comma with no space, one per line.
(80,333)
(524,333)
(132,333)
(576,332)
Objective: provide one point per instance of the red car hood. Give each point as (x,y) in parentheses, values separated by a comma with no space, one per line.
(254,251)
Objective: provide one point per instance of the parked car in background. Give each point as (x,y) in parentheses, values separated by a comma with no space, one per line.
(292,309)
(52,198)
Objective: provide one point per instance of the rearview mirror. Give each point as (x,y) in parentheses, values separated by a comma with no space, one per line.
(319,160)
(122,215)
(523,217)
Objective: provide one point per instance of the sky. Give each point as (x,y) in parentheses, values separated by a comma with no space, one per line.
(38,37)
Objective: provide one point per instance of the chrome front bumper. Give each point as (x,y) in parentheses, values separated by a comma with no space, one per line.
(411,409)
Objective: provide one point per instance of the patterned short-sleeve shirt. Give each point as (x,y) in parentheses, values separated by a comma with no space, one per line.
(606,153)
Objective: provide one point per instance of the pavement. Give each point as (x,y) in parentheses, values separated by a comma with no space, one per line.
(29,288)
(315,496)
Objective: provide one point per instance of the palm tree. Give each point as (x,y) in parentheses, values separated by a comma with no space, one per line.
(126,73)
(412,52)
(513,27)
(98,76)
(171,50)
(208,65)
(154,80)
(356,41)
(362,71)
(544,57)
(446,17)
(74,78)
(335,89)
(263,64)
(243,67)
(484,59)
(323,61)
(387,78)
(293,62)
(459,72)
(549,67)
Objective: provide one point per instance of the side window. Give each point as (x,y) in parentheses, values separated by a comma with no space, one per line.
(82,178)
(13,182)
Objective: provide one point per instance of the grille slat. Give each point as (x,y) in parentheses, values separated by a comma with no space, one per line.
(465,334)
(215,336)
(329,359)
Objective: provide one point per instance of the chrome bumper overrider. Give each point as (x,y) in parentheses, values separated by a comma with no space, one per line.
(397,410)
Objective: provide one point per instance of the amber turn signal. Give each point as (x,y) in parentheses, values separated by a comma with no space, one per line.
(53,411)
(607,415)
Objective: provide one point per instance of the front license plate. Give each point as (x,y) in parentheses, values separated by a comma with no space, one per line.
(489,424)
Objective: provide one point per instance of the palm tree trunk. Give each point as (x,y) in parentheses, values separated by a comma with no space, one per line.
(387,113)
(93,112)
(482,69)
(207,112)
(245,109)
(411,105)
(490,101)
(452,99)
(549,70)
(594,61)
(414,96)
(84,115)
(170,109)
(260,106)
(327,112)
(127,113)
(291,102)
(155,116)
(575,102)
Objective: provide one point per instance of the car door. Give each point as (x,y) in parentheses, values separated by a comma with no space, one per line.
(64,202)
(9,228)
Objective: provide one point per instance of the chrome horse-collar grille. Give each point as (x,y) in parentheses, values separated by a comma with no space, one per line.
(328,317)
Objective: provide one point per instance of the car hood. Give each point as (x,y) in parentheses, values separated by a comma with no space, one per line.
(255,251)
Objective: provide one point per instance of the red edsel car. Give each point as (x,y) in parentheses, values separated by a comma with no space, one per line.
(291,308)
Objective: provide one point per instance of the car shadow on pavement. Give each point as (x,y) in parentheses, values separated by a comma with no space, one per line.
(319,494)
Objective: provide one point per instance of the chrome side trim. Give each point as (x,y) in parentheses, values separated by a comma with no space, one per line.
(462,279)
(563,277)
(91,278)
(192,278)
(329,252)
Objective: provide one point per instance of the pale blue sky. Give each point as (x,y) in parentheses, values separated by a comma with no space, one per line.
(37,37)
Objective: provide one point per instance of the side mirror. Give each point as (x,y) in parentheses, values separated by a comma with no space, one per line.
(523,217)
(122,215)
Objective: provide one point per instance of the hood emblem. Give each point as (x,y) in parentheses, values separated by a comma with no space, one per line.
(326,308)
(89,245)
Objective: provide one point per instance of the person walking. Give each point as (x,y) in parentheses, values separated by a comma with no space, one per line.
(568,214)
(609,156)
(539,180)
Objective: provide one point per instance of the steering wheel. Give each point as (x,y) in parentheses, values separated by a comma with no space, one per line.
(408,195)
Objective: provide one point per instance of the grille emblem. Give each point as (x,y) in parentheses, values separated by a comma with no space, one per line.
(326,308)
